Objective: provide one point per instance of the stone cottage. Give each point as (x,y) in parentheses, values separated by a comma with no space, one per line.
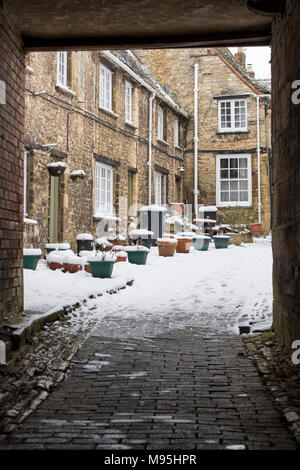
(227,161)
(119,135)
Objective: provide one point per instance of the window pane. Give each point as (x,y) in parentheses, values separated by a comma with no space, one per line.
(243,173)
(233,163)
(224,196)
(243,163)
(224,185)
(233,174)
(234,185)
(224,174)
(244,185)
(224,162)
(234,196)
(244,196)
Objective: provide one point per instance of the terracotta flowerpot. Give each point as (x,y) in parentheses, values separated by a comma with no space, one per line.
(256,229)
(87,268)
(117,242)
(71,268)
(53,265)
(184,245)
(166,248)
(121,258)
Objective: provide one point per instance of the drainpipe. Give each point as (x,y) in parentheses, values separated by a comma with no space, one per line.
(196,140)
(151,98)
(258,155)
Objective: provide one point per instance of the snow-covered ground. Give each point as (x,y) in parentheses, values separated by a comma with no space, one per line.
(210,289)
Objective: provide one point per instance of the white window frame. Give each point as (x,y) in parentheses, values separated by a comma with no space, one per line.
(105,88)
(160,184)
(220,203)
(103,190)
(160,123)
(232,127)
(176,132)
(62,69)
(128,101)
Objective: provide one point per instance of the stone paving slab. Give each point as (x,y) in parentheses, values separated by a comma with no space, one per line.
(172,389)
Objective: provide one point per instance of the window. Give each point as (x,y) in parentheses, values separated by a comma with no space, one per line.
(232,115)
(234,185)
(176,133)
(105,88)
(103,190)
(161,123)
(128,102)
(62,69)
(160,181)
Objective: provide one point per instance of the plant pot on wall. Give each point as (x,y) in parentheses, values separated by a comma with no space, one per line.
(56,168)
(77,175)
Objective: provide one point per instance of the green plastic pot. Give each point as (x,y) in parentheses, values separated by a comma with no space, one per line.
(221,242)
(30,261)
(137,256)
(101,269)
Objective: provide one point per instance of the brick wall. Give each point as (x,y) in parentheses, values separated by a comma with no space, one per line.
(286,176)
(11,167)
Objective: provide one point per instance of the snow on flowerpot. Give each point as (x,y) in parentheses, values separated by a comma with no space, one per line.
(77,175)
(201,242)
(72,263)
(116,239)
(56,168)
(256,229)
(54,260)
(166,246)
(184,244)
(103,244)
(31,257)
(101,265)
(221,241)
(142,235)
(137,254)
(84,242)
(64,246)
(51,247)
(121,256)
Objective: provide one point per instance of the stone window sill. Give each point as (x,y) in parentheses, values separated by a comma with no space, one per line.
(109,112)
(130,124)
(233,132)
(65,89)
(160,141)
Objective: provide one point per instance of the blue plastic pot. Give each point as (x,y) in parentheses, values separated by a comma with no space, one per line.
(201,243)
(221,242)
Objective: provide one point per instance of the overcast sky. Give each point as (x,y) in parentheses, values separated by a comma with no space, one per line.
(259,57)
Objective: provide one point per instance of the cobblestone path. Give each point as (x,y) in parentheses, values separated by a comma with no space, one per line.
(143,384)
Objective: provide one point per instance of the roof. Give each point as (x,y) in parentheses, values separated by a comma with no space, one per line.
(130,60)
(263,86)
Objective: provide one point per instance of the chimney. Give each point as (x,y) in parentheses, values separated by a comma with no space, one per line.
(250,72)
(240,56)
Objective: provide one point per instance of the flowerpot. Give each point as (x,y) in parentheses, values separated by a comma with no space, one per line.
(56,168)
(166,246)
(72,268)
(256,229)
(54,265)
(117,242)
(221,241)
(183,245)
(121,258)
(87,268)
(137,256)
(30,261)
(201,243)
(51,247)
(102,269)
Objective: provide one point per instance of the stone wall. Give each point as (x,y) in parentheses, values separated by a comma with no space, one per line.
(86,133)
(12,60)
(286,175)
(216,77)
